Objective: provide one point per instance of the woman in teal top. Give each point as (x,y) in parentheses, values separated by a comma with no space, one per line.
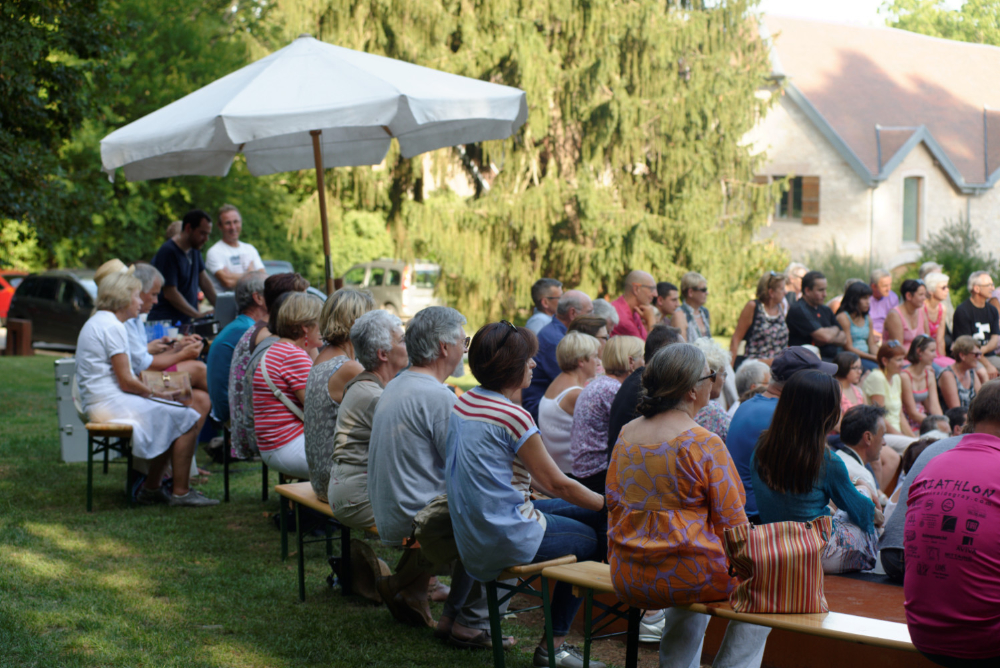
(795,475)
(852,316)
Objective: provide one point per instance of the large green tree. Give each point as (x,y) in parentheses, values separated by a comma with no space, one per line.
(972,21)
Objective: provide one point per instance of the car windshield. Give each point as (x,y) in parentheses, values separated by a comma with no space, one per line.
(90,287)
(15,281)
(426,278)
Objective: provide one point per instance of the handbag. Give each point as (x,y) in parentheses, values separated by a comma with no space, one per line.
(779,566)
(172,385)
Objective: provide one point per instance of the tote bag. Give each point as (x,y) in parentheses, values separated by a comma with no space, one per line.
(779,566)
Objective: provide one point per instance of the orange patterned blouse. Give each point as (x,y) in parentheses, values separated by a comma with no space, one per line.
(668,505)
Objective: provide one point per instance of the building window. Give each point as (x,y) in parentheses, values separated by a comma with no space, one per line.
(789,206)
(912,187)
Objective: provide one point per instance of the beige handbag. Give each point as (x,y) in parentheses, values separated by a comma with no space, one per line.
(172,385)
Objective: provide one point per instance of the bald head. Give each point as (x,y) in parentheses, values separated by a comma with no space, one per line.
(572,304)
(639,288)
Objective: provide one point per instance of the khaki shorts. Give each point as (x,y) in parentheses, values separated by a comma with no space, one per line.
(348,495)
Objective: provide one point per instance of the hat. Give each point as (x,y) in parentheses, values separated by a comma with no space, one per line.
(797,358)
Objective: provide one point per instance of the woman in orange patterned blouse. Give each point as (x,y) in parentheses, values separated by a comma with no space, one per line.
(672,489)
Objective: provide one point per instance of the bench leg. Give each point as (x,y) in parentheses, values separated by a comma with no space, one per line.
(107,446)
(302,557)
(346,585)
(127,443)
(283,523)
(588,617)
(493,604)
(263,489)
(226,444)
(90,473)
(547,607)
(632,644)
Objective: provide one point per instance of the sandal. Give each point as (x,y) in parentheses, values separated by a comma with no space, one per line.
(482,640)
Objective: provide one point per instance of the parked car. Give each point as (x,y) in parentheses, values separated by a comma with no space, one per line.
(9,280)
(273,267)
(397,286)
(58,303)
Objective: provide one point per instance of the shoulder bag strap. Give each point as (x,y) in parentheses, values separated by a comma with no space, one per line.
(278,394)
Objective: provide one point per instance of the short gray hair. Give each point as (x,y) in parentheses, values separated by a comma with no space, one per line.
(930,267)
(604,309)
(750,373)
(716,357)
(148,275)
(250,284)
(430,328)
(794,268)
(878,275)
(372,332)
(974,278)
(569,300)
(541,286)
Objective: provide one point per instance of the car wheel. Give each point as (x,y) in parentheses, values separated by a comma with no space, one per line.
(391,308)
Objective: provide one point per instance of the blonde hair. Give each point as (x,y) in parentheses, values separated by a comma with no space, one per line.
(692,279)
(771,279)
(619,353)
(339,313)
(115,290)
(716,357)
(574,348)
(298,310)
(935,279)
(107,269)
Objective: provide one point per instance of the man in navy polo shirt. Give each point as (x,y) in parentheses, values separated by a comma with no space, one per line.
(179,260)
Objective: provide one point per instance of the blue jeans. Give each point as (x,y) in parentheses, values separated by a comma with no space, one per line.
(684,634)
(572,530)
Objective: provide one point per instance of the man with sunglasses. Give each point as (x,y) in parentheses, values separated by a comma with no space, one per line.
(811,322)
(635,313)
(545,294)
(977,318)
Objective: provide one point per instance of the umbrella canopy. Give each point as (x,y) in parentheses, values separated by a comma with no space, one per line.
(267,110)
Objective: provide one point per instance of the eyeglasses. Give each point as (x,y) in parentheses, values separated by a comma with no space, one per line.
(643,285)
(710,376)
(468,340)
(976,354)
(601,338)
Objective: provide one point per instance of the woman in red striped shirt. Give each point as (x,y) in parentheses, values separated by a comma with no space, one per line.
(277,405)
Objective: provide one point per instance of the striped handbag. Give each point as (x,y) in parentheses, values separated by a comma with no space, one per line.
(779,566)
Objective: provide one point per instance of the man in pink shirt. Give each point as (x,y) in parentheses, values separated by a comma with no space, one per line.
(635,313)
(952,546)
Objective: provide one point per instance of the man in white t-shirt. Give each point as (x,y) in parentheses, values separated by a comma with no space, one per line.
(230,258)
(862,431)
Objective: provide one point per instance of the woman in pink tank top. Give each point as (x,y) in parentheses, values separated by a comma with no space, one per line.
(907,320)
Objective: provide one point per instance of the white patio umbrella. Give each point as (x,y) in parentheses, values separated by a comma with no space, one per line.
(313,104)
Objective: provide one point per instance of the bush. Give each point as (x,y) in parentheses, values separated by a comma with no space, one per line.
(837,266)
(957,249)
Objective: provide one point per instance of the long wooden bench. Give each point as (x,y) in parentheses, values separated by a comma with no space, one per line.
(302,494)
(589,577)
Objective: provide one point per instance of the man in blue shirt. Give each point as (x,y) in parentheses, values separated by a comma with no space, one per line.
(545,294)
(572,304)
(250,304)
(754,416)
(179,260)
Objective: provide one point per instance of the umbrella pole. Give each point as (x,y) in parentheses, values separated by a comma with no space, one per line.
(321,189)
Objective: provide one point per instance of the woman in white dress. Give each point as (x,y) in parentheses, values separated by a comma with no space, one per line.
(161,432)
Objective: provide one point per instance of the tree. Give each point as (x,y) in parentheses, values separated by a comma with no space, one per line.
(974,21)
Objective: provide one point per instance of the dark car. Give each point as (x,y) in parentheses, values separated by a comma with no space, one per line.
(58,303)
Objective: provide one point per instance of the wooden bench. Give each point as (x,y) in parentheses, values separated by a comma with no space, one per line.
(302,494)
(107,437)
(525,575)
(589,577)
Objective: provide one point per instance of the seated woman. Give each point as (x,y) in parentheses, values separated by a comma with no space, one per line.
(672,490)
(884,387)
(691,317)
(907,320)
(597,327)
(279,386)
(919,386)
(494,457)
(762,322)
(577,357)
(333,369)
(936,311)
(240,408)
(849,369)
(795,475)
(752,378)
(713,416)
(589,437)
(379,344)
(853,318)
(161,432)
(960,383)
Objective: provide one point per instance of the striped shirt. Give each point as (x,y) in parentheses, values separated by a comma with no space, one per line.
(288,366)
(496,524)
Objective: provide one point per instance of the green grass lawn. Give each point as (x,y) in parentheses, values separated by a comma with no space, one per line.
(156,586)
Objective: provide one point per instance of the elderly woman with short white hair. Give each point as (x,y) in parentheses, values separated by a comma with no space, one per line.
(713,416)
(109,392)
(380,346)
(604,309)
(577,356)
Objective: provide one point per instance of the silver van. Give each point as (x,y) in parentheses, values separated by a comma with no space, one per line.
(397,286)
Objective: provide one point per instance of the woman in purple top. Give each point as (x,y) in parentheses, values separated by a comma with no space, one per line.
(589,436)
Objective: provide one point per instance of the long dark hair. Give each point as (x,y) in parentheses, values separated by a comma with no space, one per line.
(790,454)
(854,293)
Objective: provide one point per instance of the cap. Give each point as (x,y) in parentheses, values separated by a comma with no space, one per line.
(797,358)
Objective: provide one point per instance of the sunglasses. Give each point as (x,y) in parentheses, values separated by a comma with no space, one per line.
(511,328)
(704,289)
(893,343)
(710,376)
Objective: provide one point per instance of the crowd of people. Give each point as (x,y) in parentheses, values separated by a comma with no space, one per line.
(615,431)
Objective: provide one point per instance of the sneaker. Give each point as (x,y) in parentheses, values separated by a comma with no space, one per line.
(651,629)
(567,656)
(151,497)
(193,498)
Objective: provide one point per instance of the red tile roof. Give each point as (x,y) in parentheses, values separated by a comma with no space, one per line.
(858,77)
